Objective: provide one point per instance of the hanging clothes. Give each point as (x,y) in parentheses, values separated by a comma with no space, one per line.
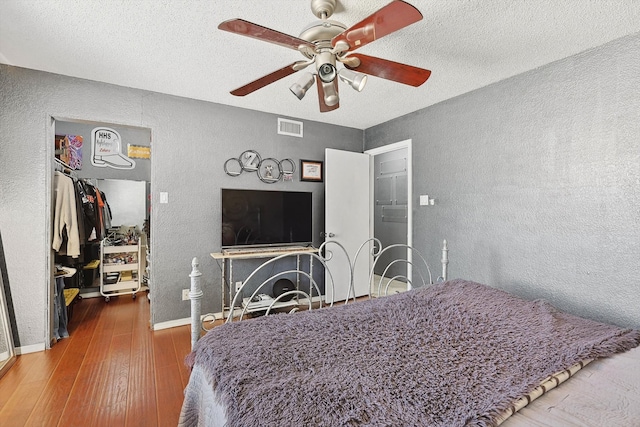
(106,211)
(65,218)
(80,214)
(93,211)
(85,191)
(101,222)
(60,318)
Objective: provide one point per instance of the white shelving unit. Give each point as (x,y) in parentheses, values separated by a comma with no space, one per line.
(120,270)
(146,278)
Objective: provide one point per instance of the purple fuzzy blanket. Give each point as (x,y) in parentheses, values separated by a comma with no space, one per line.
(454,354)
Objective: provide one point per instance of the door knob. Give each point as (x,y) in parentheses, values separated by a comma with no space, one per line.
(329,235)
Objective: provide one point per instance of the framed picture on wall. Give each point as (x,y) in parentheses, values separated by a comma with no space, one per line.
(311,170)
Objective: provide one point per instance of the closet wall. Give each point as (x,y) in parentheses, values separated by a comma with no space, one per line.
(130,135)
(128,200)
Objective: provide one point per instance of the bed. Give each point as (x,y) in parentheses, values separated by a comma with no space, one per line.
(445,353)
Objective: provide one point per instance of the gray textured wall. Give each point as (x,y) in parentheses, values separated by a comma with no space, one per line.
(537,182)
(190,140)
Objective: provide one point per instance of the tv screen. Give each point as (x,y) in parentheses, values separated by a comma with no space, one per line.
(265,218)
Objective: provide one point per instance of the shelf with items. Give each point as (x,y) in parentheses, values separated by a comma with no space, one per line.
(90,273)
(120,269)
(145,264)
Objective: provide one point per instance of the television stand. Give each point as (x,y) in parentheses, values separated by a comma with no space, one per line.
(229,255)
(267,251)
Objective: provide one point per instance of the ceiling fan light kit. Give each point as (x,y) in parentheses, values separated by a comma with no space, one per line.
(353,78)
(301,87)
(330,94)
(326,66)
(326,43)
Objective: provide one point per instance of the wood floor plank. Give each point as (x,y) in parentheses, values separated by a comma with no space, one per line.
(86,391)
(103,331)
(112,371)
(125,316)
(55,396)
(182,346)
(69,352)
(169,388)
(169,395)
(141,400)
(81,404)
(115,384)
(21,404)
(109,416)
(30,368)
(142,319)
(40,365)
(52,400)
(163,349)
(11,380)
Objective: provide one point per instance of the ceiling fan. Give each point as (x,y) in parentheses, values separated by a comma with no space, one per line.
(326,43)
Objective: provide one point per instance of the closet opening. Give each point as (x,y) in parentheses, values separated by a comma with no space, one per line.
(100,216)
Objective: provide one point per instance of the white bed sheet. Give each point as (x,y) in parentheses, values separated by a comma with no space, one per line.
(205,409)
(604,393)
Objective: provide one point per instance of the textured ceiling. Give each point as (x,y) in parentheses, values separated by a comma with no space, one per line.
(174,47)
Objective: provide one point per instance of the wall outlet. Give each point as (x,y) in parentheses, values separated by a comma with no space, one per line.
(185,294)
(238,286)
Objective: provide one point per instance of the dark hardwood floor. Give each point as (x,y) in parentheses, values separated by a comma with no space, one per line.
(112,371)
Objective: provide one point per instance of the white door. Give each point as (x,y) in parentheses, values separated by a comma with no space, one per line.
(347,219)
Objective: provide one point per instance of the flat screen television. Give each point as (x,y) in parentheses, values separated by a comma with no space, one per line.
(259,218)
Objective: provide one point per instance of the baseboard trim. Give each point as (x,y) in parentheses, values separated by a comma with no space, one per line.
(171,324)
(181,322)
(33,348)
(91,295)
(97,294)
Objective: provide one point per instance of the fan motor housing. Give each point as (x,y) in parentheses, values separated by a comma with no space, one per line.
(321,32)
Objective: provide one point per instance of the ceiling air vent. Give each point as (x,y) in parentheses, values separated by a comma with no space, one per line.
(289,127)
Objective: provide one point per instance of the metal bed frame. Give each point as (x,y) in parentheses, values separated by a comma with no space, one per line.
(414,261)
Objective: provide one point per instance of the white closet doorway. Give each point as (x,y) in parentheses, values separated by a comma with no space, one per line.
(391,204)
(108,168)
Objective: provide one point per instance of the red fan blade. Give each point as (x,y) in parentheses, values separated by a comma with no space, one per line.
(401,73)
(323,105)
(249,29)
(394,16)
(265,80)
